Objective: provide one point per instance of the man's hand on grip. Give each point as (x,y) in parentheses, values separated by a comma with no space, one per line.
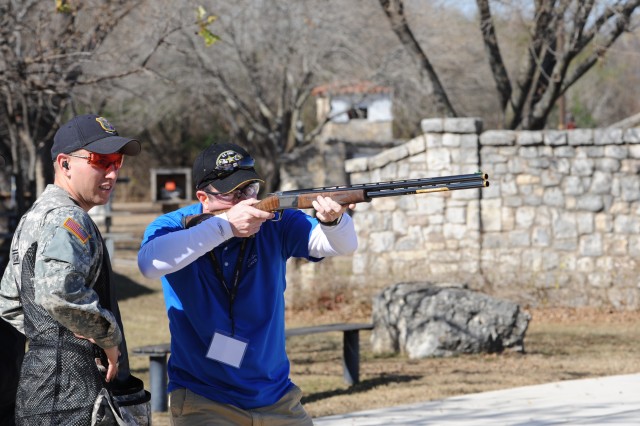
(245,220)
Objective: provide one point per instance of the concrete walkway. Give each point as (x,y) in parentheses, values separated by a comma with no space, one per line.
(602,401)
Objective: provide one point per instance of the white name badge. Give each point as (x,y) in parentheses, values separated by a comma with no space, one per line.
(226,349)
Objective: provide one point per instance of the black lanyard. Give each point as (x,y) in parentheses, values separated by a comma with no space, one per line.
(233,291)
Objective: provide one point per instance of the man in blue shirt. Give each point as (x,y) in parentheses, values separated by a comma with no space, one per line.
(224,281)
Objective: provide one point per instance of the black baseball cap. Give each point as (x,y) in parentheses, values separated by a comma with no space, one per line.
(93,133)
(225,165)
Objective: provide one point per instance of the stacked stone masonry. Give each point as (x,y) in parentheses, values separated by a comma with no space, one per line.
(558,226)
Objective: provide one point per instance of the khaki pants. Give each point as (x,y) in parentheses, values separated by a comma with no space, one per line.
(190,409)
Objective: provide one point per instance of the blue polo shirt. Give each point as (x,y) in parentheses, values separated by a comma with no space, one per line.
(198,305)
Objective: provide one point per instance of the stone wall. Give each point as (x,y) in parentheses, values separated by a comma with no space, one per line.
(558,226)
(431,237)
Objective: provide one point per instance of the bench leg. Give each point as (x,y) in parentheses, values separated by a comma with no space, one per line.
(351,357)
(158,379)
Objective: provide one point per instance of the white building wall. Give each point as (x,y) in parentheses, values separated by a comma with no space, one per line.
(378,107)
(380,110)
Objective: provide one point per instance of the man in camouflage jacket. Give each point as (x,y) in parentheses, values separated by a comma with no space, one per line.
(56,289)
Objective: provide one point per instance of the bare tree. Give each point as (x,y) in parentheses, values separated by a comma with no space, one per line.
(44,46)
(257,80)
(394,9)
(566,38)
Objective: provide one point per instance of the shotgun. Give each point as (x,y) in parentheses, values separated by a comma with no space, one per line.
(359,193)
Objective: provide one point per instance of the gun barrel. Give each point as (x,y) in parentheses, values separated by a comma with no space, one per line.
(425,189)
(397,184)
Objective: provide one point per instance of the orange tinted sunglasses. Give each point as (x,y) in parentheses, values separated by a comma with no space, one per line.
(103,161)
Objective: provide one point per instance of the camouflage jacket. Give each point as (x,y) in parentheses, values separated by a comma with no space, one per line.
(68,259)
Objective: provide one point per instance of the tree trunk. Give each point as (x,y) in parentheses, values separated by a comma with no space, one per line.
(394,10)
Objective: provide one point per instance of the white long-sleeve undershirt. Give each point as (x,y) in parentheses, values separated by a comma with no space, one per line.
(339,240)
(172,252)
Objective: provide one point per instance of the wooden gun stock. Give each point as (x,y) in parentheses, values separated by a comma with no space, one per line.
(304,199)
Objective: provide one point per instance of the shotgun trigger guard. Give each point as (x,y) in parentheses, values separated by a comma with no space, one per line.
(277,217)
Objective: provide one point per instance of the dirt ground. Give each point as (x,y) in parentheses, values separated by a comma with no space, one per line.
(560,344)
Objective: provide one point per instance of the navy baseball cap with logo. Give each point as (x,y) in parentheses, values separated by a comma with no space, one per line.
(226,166)
(93,133)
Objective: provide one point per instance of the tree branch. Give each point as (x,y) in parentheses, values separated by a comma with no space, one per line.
(394,9)
(500,75)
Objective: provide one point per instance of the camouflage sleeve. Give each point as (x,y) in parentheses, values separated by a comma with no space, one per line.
(10,306)
(69,260)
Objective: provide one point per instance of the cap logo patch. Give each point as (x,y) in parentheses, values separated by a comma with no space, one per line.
(76,229)
(106,126)
(228,159)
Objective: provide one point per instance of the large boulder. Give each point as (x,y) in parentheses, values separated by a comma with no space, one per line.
(427,320)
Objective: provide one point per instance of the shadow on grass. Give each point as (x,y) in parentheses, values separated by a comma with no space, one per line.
(126,288)
(363,386)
